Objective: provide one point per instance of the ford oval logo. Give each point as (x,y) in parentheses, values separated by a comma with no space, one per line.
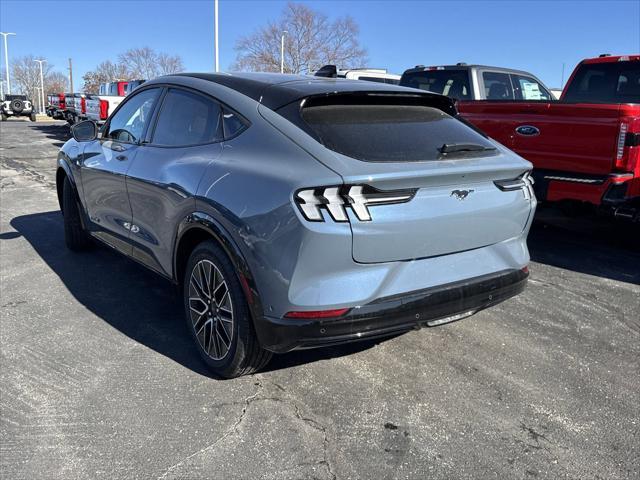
(528,130)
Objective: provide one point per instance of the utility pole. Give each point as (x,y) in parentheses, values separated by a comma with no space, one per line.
(215,21)
(39,97)
(41,86)
(562,80)
(70,75)
(6,59)
(282,51)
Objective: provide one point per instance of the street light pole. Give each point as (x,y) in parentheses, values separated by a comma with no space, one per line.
(6,59)
(215,21)
(284,32)
(41,86)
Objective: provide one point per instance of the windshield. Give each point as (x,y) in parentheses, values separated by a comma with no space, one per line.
(452,83)
(611,82)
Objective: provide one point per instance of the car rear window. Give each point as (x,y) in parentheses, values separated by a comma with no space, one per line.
(452,83)
(611,82)
(390,133)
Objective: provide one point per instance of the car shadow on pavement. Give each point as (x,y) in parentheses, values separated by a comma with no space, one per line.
(135,301)
(60,132)
(586,244)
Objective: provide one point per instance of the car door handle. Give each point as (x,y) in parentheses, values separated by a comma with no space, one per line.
(122,158)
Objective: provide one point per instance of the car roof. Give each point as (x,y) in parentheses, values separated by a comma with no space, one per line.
(605,58)
(465,66)
(274,90)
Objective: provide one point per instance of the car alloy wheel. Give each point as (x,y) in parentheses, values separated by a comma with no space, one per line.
(211,309)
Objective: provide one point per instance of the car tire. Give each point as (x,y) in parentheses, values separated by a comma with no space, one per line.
(32,117)
(75,236)
(217,314)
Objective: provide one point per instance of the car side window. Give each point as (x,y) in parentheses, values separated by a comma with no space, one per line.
(233,123)
(527,88)
(128,123)
(497,86)
(187,119)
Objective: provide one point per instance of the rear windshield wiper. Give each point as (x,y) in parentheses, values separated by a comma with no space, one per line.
(464,147)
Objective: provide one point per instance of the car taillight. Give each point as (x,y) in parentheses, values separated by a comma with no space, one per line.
(104,109)
(335,200)
(83,105)
(524,182)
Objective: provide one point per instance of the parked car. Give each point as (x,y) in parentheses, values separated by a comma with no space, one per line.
(132,85)
(378,75)
(585,147)
(56,107)
(16,106)
(300,212)
(476,82)
(75,107)
(99,107)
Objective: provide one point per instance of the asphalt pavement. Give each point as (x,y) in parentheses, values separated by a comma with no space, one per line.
(99,379)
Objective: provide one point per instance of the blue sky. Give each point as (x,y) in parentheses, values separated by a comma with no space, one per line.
(536,36)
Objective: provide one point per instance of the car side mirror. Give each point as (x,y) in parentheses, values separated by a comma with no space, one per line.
(85,131)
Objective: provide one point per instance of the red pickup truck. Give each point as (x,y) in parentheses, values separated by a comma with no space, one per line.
(584,147)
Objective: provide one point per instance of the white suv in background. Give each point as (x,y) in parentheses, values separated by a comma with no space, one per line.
(379,75)
(17,106)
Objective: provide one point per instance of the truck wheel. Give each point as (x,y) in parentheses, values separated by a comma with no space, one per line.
(218,316)
(75,237)
(32,117)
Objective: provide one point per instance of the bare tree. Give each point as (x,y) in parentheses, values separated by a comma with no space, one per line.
(168,64)
(105,72)
(55,82)
(25,75)
(135,64)
(146,63)
(312,40)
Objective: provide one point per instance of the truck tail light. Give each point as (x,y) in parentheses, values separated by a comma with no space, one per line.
(336,200)
(622,136)
(83,105)
(104,109)
(627,147)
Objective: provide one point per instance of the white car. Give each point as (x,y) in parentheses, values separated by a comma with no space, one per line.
(17,106)
(378,75)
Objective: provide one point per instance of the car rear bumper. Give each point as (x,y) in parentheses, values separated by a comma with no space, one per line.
(396,314)
(23,113)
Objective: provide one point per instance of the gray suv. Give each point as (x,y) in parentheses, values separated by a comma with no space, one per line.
(299,212)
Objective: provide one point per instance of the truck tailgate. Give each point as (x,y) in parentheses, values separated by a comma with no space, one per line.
(569,137)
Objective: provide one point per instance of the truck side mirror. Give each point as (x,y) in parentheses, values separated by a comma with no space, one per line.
(85,131)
